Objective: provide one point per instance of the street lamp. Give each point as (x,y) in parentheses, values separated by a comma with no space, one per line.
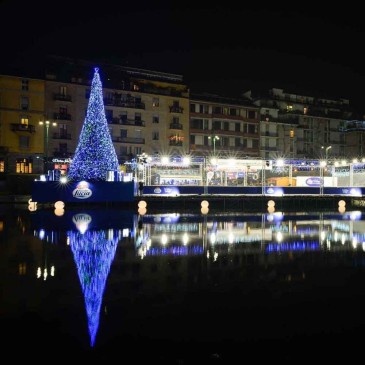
(215,138)
(327,148)
(46,125)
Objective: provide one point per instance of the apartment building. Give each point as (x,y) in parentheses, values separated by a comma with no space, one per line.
(147,111)
(223,127)
(300,126)
(21,137)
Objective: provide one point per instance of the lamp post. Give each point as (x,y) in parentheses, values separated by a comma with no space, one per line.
(46,125)
(327,149)
(214,138)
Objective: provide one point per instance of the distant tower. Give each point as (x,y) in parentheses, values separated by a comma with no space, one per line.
(93,253)
(95,153)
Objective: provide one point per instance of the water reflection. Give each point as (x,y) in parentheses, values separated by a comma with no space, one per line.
(181,253)
(93,253)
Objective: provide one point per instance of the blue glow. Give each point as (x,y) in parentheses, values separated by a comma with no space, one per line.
(175,251)
(93,252)
(95,153)
(293,246)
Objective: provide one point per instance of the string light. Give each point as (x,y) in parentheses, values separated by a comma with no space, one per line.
(95,154)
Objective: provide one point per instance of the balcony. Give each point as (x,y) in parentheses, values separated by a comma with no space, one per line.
(62,97)
(175,143)
(124,103)
(61,116)
(124,121)
(176,109)
(176,126)
(61,135)
(128,140)
(18,127)
(62,154)
(133,122)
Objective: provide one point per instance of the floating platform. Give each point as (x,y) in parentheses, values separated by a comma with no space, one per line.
(79,192)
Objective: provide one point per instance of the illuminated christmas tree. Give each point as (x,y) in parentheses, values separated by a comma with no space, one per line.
(93,252)
(95,153)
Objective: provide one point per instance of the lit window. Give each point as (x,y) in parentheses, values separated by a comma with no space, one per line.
(155,102)
(24,166)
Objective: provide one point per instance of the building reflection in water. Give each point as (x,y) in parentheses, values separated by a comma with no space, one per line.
(94,238)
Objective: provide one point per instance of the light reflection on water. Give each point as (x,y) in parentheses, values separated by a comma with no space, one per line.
(125,264)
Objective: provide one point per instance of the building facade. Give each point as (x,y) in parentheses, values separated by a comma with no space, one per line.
(147,111)
(299,126)
(223,127)
(21,137)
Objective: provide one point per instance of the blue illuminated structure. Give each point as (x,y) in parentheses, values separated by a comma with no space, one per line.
(95,153)
(93,174)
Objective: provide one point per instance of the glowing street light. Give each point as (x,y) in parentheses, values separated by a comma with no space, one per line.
(327,149)
(214,138)
(46,125)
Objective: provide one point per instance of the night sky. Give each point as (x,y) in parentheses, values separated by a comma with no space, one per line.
(217,49)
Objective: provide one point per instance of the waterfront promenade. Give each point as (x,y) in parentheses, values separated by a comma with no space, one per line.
(220,202)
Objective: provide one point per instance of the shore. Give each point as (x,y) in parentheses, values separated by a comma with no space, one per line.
(218,202)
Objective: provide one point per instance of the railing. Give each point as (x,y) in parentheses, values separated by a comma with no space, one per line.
(124,104)
(128,140)
(18,127)
(62,97)
(61,135)
(176,126)
(176,109)
(62,116)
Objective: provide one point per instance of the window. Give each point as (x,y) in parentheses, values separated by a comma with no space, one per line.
(237,127)
(217,110)
(226,126)
(237,142)
(216,126)
(25,85)
(155,102)
(63,130)
(155,136)
(63,90)
(192,107)
(124,116)
(24,120)
(251,114)
(175,120)
(138,117)
(2,166)
(23,142)
(24,103)
(63,110)
(63,147)
(233,111)
(123,133)
(252,128)
(155,119)
(109,115)
(24,166)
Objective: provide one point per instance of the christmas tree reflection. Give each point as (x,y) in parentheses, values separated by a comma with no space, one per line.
(93,252)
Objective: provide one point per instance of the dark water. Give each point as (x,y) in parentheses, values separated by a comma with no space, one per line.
(181,288)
